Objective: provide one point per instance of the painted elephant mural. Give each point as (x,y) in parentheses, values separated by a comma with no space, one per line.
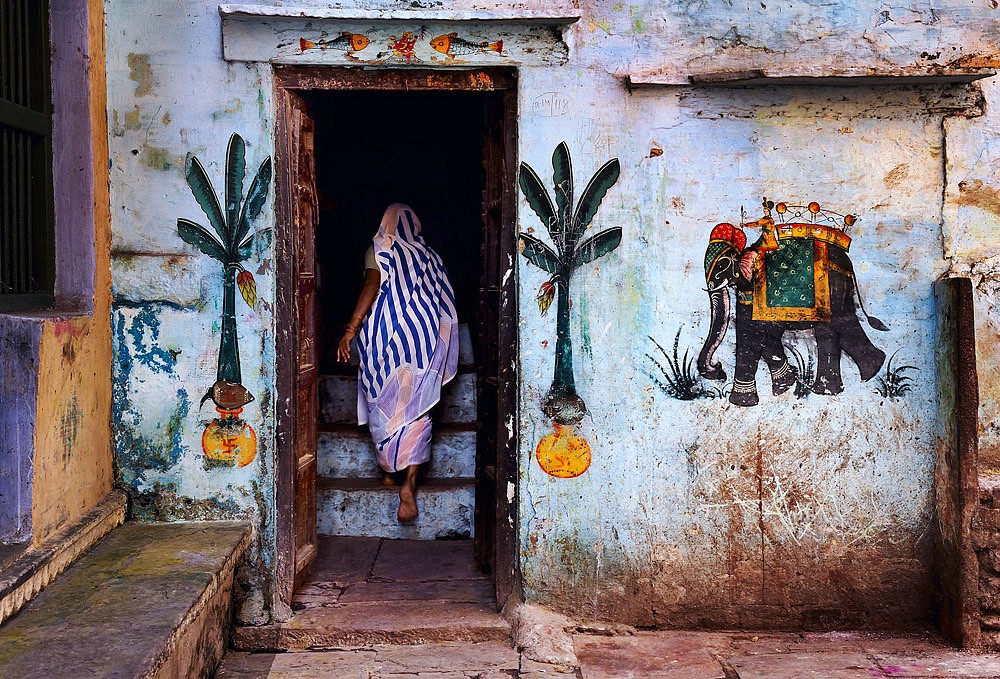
(796,276)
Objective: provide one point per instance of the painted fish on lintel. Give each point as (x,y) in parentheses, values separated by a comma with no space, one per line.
(345,42)
(451,46)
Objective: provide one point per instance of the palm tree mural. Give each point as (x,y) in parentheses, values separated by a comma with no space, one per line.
(566,226)
(231,245)
(228,440)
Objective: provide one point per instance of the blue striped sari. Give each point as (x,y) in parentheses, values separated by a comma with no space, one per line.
(408,343)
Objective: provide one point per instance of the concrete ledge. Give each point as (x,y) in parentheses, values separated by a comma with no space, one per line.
(29,573)
(150,601)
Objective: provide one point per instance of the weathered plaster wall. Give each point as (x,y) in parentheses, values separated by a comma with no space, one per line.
(812,511)
(972,207)
(170,97)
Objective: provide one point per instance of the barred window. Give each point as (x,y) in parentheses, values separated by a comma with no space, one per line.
(26,213)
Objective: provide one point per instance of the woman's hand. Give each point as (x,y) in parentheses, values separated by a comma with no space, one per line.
(344,346)
(369,291)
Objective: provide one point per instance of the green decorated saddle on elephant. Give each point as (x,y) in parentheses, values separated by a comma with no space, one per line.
(792,277)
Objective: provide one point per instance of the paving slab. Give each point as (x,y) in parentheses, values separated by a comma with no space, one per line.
(651,655)
(821,665)
(412,560)
(531,669)
(441,657)
(358,664)
(343,561)
(938,664)
(468,591)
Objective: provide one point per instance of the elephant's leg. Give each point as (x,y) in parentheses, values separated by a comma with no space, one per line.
(783,374)
(845,323)
(856,344)
(828,378)
(750,338)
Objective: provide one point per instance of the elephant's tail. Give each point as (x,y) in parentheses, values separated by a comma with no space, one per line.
(872,321)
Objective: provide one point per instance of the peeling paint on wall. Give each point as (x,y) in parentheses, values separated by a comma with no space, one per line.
(808,510)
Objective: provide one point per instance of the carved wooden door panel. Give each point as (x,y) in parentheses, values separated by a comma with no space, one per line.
(305,212)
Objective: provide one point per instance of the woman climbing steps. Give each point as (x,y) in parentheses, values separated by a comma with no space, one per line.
(407,331)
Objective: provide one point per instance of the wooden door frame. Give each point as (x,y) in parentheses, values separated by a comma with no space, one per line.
(293,78)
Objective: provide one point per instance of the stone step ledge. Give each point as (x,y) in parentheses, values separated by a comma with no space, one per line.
(150,601)
(346,451)
(26,575)
(365,624)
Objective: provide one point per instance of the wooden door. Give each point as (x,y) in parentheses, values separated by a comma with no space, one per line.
(304,214)
(496,461)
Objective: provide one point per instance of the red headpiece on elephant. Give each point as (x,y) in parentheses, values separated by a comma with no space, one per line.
(727,233)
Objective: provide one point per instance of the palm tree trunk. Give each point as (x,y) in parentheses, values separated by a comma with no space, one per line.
(563,404)
(229,351)
(562,379)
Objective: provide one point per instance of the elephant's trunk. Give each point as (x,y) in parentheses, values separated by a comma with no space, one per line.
(721,312)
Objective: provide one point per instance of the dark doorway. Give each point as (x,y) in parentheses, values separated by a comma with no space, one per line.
(424,149)
(442,142)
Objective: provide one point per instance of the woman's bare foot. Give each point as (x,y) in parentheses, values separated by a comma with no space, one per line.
(408,496)
(388,479)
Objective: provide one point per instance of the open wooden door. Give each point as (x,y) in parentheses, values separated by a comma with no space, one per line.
(296,345)
(496,459)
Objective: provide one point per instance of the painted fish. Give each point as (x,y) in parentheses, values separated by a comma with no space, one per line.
(452,45)
(346,42)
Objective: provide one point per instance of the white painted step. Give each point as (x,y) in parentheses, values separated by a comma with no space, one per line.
(338,400)
(348,452)
(364,507)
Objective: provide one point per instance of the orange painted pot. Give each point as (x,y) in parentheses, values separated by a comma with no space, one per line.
(229,441)
(563,454)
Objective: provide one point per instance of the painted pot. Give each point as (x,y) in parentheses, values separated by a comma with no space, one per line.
(229,441)
(563,454)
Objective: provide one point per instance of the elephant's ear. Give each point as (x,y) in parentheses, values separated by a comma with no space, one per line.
(714,251)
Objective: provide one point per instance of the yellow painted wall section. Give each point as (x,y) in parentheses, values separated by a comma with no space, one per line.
(73,460)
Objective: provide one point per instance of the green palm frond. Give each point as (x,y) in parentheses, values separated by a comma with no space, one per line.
(562,180)
(539,200)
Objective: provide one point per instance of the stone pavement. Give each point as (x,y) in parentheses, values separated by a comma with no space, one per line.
(642,655)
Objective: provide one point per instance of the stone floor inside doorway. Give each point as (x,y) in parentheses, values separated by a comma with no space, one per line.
(381,591)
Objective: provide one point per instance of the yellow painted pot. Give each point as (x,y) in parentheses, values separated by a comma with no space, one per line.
(563,454)
(228,440)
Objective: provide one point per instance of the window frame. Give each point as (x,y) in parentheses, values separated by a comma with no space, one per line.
(26,111)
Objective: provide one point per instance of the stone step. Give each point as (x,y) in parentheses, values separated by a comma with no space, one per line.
(364,507)
(150,601)
(28,569)
(338,400)
(383,622)
(347,451)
